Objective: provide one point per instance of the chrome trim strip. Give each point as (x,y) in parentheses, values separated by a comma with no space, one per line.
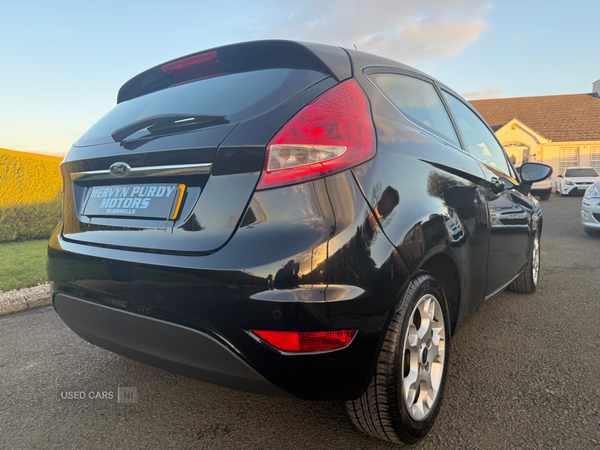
(504,286)
(152,171)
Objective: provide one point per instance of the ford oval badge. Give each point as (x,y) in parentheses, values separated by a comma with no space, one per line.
(119,169)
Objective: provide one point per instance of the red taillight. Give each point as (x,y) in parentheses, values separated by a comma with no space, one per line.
(331,134)
(62,175)
(306,341)
(198,67)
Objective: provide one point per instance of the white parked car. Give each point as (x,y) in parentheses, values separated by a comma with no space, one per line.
(590,210)
(575,180)
(543,189)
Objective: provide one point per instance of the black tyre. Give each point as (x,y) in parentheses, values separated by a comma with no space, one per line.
(406,392)
(544,197)
(591,232)
(527,282)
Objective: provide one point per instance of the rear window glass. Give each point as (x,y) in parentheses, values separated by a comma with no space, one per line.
(587,173)
(418,101)
(240,96)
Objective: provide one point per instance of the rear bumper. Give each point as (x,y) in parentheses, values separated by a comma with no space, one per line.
(541,191)
(193,322)
(162,344)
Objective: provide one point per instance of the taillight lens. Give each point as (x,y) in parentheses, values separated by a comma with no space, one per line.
(331,134)
(306,341)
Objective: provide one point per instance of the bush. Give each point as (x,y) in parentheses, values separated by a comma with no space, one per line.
(29,221)
(28,178)
(30,195)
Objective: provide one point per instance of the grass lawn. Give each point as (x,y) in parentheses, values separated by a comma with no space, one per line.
(22,264)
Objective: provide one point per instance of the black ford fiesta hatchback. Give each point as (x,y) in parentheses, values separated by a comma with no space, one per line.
(293,219)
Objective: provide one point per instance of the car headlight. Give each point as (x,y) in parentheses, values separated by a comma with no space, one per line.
(570,183)
(593,191)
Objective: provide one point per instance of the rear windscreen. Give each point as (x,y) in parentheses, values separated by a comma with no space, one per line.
(239,96)
(581,173)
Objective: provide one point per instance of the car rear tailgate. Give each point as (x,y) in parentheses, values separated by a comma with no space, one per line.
(210,173)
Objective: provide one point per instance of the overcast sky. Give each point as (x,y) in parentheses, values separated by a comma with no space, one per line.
(62,63)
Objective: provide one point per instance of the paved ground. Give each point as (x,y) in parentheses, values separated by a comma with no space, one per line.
(524,373)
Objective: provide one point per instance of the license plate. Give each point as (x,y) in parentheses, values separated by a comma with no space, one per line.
(151,201)
(582,188)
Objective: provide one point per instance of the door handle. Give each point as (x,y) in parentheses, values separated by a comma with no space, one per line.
(497,185)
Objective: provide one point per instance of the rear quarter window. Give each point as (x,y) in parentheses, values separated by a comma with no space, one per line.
(418,101)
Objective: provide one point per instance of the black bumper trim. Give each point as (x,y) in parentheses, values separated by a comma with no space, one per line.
(162,344)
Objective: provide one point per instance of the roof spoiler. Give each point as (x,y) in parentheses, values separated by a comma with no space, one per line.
(243,57)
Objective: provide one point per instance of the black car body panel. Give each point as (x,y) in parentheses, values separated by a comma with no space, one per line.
(230,291)
(188,351)
(334,253)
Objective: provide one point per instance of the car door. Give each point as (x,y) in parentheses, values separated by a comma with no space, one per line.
(510,213)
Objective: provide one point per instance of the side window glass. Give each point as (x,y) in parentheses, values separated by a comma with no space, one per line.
(479,139)
(418,101)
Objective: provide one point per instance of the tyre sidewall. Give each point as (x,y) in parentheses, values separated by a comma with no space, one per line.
(425,284)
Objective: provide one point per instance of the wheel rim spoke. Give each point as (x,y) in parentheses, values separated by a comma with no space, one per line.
(424,357)
(536,259)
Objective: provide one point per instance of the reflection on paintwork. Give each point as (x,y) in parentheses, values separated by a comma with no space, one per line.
(505,211)
(287,276)
(256,214)
(507,217)
(353,262)
(384,203)
(312,293)
(454,227)
(192,224)
(453,191)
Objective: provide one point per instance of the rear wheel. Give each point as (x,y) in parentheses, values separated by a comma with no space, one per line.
(544,197)
(405,394)
(527,282)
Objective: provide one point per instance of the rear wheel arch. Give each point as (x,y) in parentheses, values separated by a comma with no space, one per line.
(443,268)
(386,409)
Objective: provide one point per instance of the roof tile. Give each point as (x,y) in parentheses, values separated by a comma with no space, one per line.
(573,117)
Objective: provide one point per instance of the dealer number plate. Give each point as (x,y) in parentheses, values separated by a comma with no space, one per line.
(152,201)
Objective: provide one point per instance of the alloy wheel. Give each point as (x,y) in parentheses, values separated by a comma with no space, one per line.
(423,357)
(536,259)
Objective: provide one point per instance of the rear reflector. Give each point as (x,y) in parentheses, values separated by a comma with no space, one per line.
(179,197)
(198,67)
(306,341)
(331,134)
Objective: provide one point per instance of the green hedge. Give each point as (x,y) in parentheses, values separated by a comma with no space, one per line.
(32,221)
